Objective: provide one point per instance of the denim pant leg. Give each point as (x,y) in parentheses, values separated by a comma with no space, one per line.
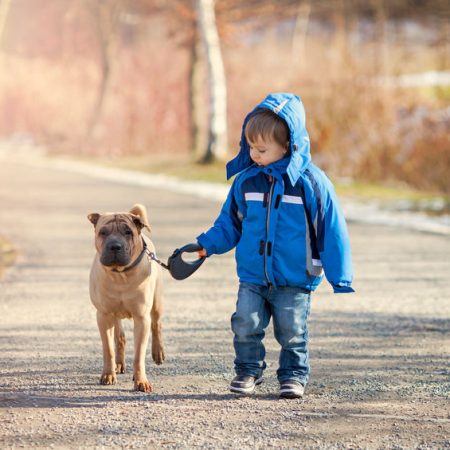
(290,308)
(248,324)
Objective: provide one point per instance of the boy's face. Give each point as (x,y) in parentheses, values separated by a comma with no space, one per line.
(266,152)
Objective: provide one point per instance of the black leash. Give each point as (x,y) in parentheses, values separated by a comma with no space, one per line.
(150,255)
(178,268)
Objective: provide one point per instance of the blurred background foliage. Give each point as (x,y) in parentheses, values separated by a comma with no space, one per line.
(123,78)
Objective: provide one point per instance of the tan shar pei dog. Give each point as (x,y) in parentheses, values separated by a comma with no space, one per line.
(126,284)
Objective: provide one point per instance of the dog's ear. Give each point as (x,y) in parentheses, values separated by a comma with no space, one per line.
(93,218)
(140,211)
(139,222)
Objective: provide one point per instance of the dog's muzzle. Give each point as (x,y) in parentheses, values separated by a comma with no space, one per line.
(115,254)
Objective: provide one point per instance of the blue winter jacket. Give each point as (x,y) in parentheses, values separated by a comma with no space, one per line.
(284,219)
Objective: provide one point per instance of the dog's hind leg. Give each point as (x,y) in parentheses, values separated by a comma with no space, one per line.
(120,341)
(157,342)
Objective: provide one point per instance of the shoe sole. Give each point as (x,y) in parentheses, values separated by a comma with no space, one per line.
(246,391)
(291,394)
(290,391)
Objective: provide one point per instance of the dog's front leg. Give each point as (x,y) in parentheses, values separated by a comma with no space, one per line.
(141,335)
(106,327)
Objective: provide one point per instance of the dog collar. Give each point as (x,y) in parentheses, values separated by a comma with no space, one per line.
(136,261)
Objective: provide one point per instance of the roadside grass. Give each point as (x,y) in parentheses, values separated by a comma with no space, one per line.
(7,255)
(181,166)
(440,93)
(397,196)
(392,195)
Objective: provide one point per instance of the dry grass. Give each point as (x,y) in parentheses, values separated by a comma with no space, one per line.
(358,127)
(7,255)
(185,167)
(182,166)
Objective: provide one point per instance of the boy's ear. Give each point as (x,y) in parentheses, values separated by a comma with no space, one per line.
(93,218)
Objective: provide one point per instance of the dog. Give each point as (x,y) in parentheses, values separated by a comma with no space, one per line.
(126,283)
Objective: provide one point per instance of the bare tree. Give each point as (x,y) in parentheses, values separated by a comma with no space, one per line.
(4,9)
(185,23)
(217,138)
(106,17)
(300,32)
(195,97)
(194,25)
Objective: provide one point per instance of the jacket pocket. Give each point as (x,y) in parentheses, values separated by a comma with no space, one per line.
(289,251)
(251,246)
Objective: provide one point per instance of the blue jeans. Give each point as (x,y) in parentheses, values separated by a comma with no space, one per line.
(289,307)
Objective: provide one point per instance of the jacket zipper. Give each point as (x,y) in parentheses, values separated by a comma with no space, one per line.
(269,204)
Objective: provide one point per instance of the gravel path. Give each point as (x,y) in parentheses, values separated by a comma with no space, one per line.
(380,372)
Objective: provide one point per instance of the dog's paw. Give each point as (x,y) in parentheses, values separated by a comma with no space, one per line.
(158,354)
(142,385)
(108,378)
(120,367)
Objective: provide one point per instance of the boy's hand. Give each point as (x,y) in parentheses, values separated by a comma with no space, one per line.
(202,253)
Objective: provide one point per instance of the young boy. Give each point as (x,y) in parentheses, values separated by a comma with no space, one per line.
(284,218)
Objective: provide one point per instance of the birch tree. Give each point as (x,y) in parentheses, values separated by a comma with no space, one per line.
(217,135)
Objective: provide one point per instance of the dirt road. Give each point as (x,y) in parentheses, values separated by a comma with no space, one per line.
(380,367)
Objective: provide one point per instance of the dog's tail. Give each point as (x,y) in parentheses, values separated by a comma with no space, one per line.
(141,211)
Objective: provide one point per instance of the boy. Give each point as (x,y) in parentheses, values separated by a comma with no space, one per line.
(283,216)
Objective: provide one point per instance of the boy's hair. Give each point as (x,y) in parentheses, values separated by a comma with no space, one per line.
(268,126)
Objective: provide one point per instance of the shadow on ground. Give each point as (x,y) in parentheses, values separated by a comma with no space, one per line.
(354,357)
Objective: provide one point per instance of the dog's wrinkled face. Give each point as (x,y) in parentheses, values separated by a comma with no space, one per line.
(117,237)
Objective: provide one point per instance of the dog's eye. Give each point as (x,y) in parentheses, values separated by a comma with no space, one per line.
(102,233)
(127,231)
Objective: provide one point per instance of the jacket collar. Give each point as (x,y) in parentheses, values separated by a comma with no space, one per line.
(276,168)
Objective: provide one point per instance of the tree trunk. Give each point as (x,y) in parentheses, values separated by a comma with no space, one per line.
(4,10)
(300,33)
(217,135)
(195,98)
(98,105)
(105,17)
(382,63)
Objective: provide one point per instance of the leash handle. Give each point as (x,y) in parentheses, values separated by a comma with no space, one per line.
(180,269)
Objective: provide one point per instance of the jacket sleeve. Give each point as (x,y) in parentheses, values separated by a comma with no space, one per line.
(226,231)
(333,241)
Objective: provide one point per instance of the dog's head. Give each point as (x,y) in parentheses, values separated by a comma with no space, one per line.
(118,235)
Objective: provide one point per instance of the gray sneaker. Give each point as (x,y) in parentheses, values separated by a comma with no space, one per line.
(244,384)
(291,389)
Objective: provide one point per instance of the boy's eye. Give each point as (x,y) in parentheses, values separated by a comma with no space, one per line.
(253,149)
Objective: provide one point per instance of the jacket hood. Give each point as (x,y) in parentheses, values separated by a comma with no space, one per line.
(290,108)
